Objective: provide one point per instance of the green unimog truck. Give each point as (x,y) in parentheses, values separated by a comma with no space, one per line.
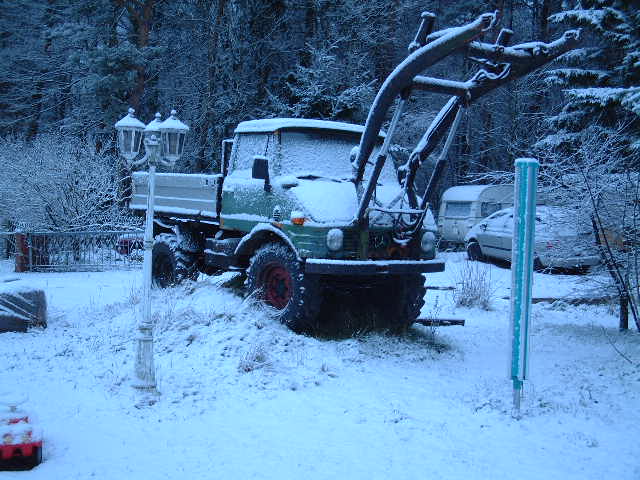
(282,211)
(300,206)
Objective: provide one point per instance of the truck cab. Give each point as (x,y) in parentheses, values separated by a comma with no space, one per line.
(297,175)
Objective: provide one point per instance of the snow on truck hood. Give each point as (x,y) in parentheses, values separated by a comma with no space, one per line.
(330,201)
(326,200)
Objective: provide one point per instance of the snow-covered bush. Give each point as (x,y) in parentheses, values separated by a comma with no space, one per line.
(256,357)
(600,182)
(61,184)
(473,286)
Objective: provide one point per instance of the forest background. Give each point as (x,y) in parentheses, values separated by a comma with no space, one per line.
(73,68)
(69,70)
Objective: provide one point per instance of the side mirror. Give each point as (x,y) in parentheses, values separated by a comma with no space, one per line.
(483,226)
(260,170)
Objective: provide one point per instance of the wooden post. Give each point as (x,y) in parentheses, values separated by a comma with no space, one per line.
(624,312)
(22,253)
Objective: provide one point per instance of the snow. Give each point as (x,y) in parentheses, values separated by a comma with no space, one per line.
(600,95)
(326,155)
(13,285)
(422,144)
(178,211)
(268,228)
(590,16)
(274,124)
(129,121)
(154,125)
(172,123)
(327,201)
(243,397)
(469,193)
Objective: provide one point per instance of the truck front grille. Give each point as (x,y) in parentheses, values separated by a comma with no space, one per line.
(382,246)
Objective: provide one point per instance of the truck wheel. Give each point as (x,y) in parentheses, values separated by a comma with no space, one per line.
(473,251)
(276,276)
(404,300)
(171,264)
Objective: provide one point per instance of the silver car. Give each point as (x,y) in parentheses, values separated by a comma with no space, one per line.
(560,240)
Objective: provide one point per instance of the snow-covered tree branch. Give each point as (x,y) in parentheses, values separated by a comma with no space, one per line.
(60,184)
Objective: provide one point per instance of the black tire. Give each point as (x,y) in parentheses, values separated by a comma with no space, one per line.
(474,252)
(171,265)
(392,304)
(276,276)
(404,300)
(35,459)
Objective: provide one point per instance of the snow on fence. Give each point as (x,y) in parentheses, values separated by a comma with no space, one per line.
(73,251)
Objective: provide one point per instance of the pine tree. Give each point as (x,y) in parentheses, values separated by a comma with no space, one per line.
(600,79)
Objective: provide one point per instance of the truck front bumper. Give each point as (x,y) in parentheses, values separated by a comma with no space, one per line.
(323,266)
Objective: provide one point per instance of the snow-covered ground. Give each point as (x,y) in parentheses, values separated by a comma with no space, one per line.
(243,397)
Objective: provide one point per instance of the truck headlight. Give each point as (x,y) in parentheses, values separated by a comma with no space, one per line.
(335,239)
(428,242)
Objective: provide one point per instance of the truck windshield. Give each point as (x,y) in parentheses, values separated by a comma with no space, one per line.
(325,153)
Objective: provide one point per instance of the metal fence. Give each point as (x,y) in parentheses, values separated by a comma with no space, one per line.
(73,251)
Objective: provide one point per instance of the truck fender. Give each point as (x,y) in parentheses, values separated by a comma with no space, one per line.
(259,235)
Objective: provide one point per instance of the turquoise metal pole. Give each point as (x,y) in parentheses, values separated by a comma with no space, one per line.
(522,272)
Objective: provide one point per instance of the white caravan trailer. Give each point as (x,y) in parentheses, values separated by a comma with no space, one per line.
(465,205)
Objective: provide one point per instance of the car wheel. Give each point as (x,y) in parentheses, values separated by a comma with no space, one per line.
(276,277)
(170,264)
(473,251)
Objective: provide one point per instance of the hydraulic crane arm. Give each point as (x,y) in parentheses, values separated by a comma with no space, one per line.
(499,64)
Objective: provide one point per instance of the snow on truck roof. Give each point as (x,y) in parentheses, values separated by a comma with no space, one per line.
(273,124)
(468,193)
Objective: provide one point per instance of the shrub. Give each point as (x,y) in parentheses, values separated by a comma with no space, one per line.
(254,359)
(473,286)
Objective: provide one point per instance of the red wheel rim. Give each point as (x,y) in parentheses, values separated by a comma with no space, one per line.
(277,286)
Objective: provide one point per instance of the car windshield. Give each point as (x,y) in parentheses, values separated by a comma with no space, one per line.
(324,154)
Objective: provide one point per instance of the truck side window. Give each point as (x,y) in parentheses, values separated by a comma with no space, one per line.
(249,144)
(458,209)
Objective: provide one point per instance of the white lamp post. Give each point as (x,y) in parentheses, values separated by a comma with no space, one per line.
(164,151)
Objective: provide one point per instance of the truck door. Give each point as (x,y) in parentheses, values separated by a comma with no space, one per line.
(225,161)
(492,232)
(246,199)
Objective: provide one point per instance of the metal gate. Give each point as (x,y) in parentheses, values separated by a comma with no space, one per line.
(73,251)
